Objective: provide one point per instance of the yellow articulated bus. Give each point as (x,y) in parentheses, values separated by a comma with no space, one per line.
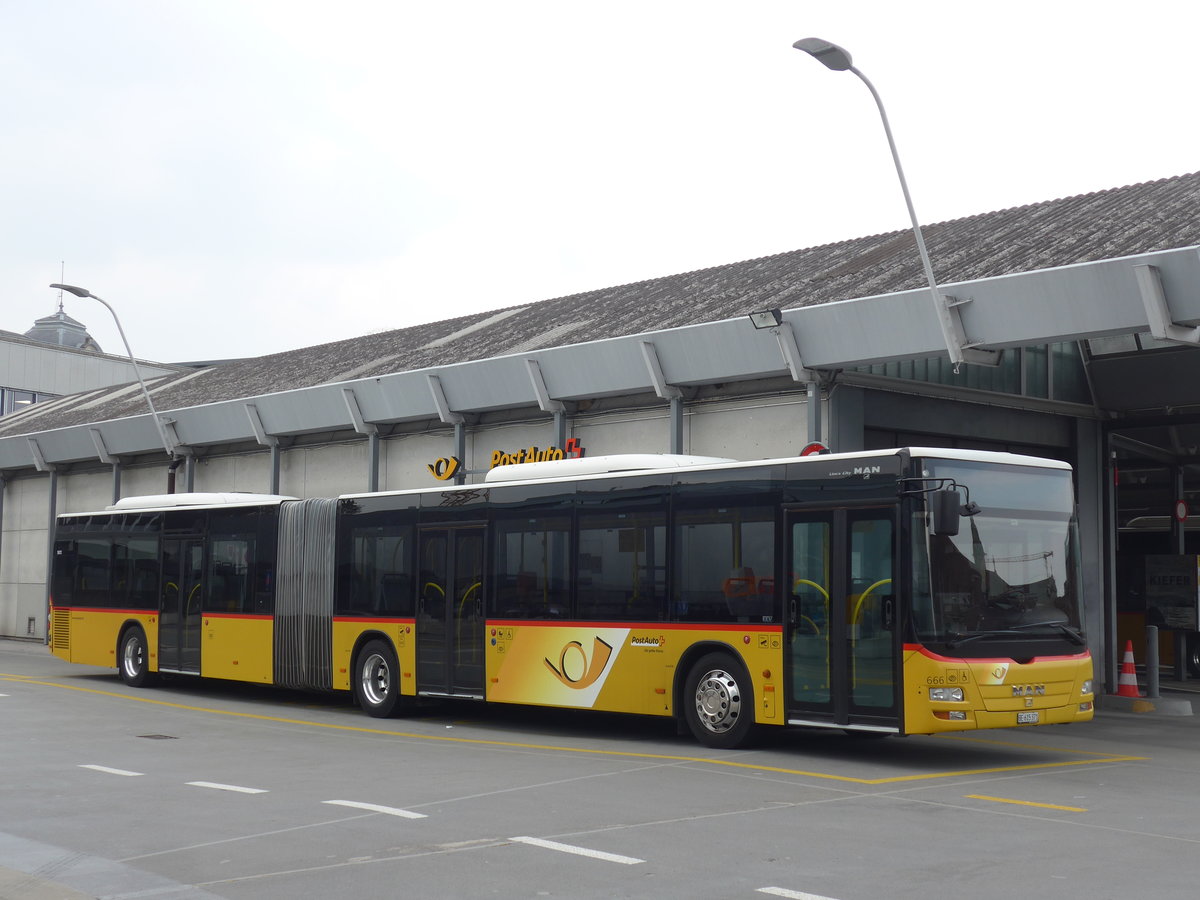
(908,591)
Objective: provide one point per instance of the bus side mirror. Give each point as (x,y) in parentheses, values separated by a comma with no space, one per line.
(945,508)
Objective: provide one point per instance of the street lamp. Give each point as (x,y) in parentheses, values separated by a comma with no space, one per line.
(834,57)
(162,431)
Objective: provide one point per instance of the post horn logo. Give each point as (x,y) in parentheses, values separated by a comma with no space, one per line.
(574,669)
(444,468)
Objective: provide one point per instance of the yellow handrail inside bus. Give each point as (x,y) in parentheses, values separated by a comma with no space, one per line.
(824,593)
(458,643)
(863,596)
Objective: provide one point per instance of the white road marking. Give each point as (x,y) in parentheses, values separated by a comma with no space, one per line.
(579,851)
(374,807)
(227,787)
(111,771)
(791,895)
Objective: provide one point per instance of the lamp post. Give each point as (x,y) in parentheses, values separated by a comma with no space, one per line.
(834,57)
(162,431)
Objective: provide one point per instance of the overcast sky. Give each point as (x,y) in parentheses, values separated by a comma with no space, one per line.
(239,177)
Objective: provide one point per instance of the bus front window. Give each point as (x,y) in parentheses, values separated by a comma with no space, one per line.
(1010,575)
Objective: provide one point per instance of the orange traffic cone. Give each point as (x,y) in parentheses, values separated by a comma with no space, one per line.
(1127,685)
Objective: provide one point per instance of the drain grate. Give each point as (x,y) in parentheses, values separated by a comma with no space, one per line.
(159,737)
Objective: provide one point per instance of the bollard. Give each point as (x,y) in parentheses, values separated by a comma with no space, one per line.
(1152,662)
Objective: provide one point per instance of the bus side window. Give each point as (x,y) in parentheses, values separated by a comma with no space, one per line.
(395,594)
(229,574)
(532,568)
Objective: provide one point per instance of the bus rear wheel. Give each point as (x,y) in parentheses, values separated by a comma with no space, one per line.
(377,681)
(718,702)
(133,657)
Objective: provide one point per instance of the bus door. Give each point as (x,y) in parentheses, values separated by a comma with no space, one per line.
(842,634)
(179,617)
(450,631)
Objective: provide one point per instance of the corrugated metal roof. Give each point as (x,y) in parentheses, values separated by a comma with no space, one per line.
(1126,221)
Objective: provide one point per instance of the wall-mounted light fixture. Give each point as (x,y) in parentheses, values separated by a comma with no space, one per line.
(768,318)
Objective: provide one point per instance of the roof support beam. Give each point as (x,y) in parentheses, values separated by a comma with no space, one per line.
(959,345)
(177,447)
(1158,313)
(39,459)
(448,416)
(266,440)
(371,430)
(654,367)
(1144,450)
(786,338)
(356,417)
(545,402)
(109,460)
(256,425)
(101,450)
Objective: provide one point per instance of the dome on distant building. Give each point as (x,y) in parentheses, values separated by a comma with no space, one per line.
(62,331)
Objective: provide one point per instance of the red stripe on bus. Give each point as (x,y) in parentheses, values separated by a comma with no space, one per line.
(924,651)
(642,626)
(108,609)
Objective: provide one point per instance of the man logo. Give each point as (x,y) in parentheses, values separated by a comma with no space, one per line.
(574,669)
(1029,690)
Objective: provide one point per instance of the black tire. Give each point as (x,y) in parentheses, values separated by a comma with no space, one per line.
(1193,655)
(718,702)
(133,657)
(377,680)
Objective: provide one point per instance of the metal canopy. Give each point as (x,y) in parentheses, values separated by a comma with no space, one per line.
(1046,306)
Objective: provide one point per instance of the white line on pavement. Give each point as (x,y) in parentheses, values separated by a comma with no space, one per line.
(374,807)
(110,771)
(790,895)
(579,851)
(227,787)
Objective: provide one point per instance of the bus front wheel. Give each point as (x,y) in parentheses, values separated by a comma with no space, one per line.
(133,658)
(378,680)
(1193,655)
(718,702)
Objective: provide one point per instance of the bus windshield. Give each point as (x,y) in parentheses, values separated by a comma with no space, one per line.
(1010,575)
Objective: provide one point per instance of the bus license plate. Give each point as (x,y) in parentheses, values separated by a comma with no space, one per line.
(1027,718)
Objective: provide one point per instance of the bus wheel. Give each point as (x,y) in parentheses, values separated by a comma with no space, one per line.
(133,658)
(718,703)
(377,680)
(1193,655)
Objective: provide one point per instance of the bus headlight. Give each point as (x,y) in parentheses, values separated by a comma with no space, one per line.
(954,695)
(1086,687)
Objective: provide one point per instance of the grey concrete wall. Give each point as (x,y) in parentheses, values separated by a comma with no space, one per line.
(23,557)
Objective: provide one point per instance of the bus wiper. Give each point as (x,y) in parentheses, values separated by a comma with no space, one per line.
(1017,631)
(1070,633)
(960,639)
(1062,627)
